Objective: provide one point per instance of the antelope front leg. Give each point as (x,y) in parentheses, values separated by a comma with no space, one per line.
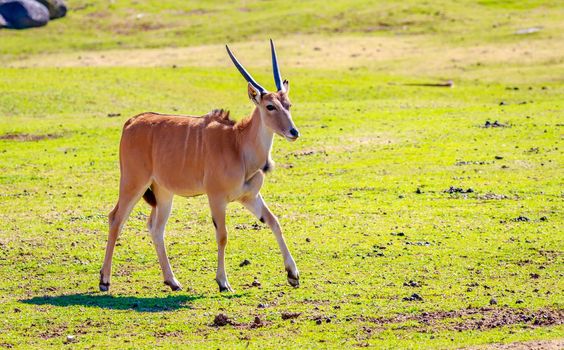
(258,207)
(217,206)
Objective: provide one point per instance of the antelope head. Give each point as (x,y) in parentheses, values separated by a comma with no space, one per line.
(274,107)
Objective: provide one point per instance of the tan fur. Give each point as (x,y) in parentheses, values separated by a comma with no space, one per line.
(190,156)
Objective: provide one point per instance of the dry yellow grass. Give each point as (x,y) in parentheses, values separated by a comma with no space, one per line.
(417,55)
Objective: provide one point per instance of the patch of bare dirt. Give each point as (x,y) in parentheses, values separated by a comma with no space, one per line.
(131,27)
(99,14)
(168,334)
(416,53)
(53,332)
(254,226)
(308,152)
(200,12)
(535,344)
(28,137)
(290,315)
(479,318)
(492,196)
(222,320)
(470,162)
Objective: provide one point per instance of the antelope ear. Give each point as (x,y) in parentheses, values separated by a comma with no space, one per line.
(286,85)
(254,94)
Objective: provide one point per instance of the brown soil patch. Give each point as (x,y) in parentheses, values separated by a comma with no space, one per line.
(135,27)
(535,344)
(99,14)
(200,12)
(290,315)
(222,320)
(492,196)
(55,332)
(28,137)
(308,152)
(479,318)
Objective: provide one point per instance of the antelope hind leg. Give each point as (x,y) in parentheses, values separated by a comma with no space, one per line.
(156,225)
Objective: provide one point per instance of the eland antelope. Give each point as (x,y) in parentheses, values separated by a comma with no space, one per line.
(163,155)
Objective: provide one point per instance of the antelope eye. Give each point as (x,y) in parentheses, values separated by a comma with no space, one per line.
(271,108)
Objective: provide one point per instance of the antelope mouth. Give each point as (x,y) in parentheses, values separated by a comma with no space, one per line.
(292,135)
(287,136)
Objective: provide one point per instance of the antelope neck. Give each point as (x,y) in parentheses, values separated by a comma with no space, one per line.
(256,143)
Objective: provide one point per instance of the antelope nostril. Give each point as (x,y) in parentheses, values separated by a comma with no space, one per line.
(294,132)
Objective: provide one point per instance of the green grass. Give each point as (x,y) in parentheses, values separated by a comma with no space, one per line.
(342,192)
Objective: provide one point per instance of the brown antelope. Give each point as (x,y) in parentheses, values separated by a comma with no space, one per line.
(163,155)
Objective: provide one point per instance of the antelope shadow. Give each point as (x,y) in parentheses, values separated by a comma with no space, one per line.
(117,302)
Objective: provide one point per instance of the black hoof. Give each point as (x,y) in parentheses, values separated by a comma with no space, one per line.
(173,287)
(293,279)
(226,289)
(104,287)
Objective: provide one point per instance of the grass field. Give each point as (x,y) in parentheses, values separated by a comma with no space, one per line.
(364,197)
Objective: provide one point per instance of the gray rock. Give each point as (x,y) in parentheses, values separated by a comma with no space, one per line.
(21,14)
(57,8)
